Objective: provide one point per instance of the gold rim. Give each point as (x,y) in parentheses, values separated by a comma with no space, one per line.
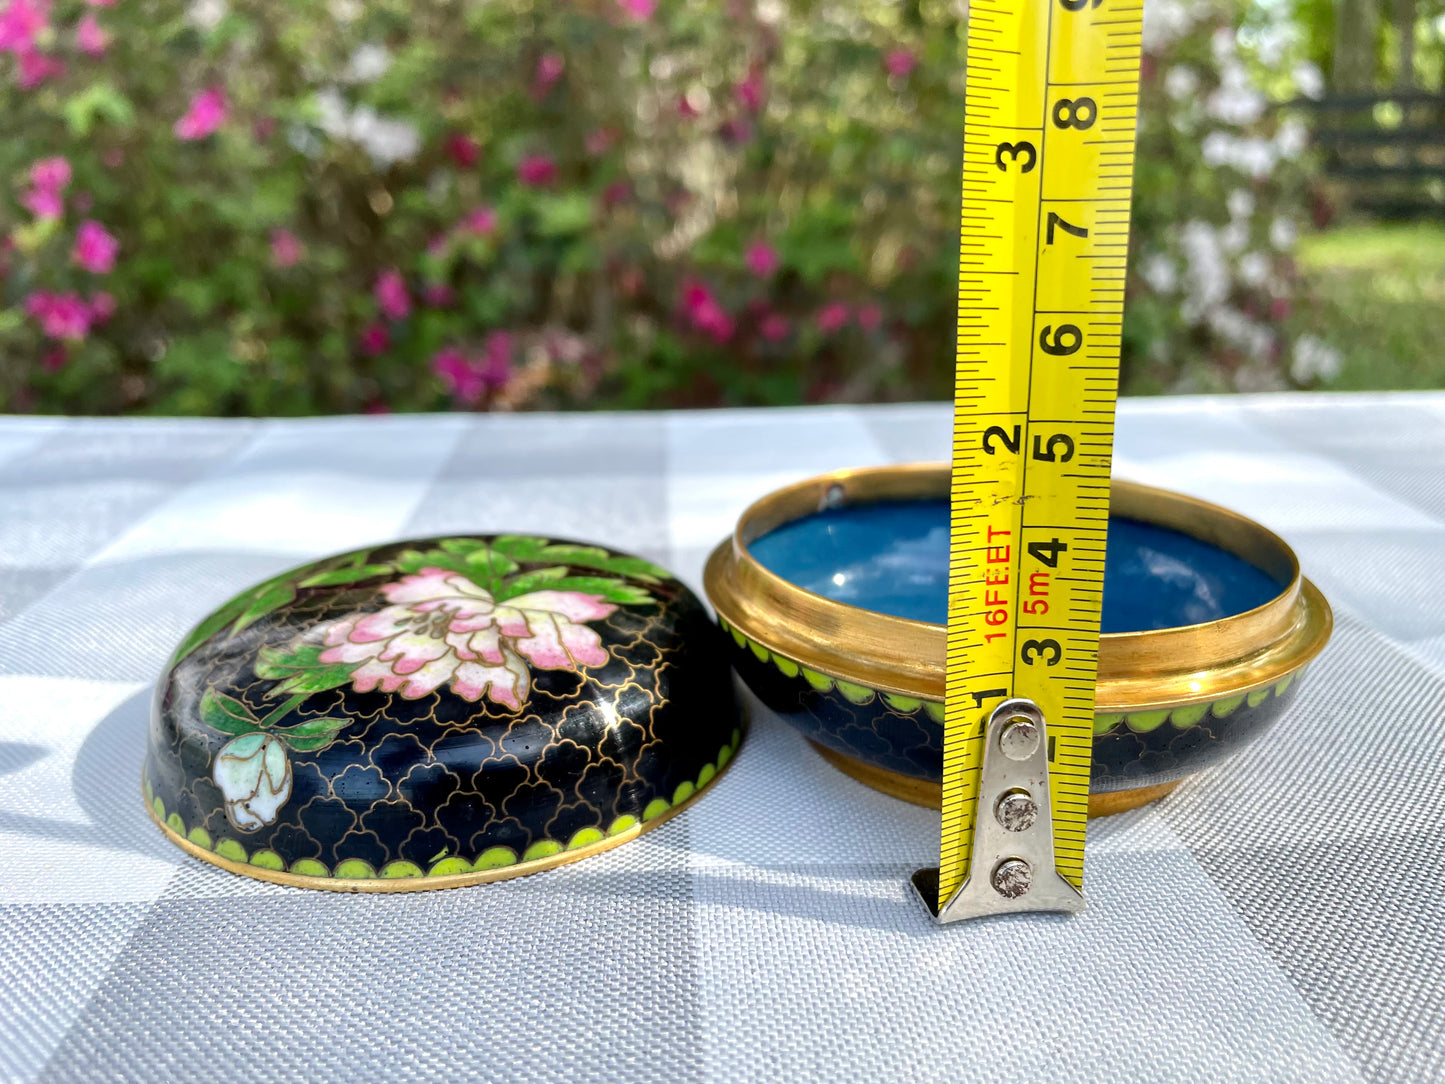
(928,794)
(424,883)
(1176,666)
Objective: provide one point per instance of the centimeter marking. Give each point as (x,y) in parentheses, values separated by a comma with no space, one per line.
(1048,169)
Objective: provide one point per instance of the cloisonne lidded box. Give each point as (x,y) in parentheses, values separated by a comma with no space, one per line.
(439,712)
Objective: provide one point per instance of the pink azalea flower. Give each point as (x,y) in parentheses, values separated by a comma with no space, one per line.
(440,628)
(750,91)
(21,21)
(458,374)
(95,248)
(761,258)
(89,37)
(391,296)
(480,220)
(43,203)
(705,313)
(600,140)
(438,295)
(463,150)
(376,406)
(54,360)
(736,131)
(375,340)
(550,67)
(832,317)
(900,63)
(286,250)
(497,359)
(616,194)
(61,316)
(774,327)
(870,317)
(207,112)
(51,174)
(35,68)
(102,307)
(537,170)
(639,11)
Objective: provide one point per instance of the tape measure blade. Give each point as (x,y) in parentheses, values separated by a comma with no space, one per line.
(1047,175)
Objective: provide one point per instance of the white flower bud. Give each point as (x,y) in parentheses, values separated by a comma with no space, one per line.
(254,774)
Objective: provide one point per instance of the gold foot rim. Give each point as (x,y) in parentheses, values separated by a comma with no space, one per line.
(930,795)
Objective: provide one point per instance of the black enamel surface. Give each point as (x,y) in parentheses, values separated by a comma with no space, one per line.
(438,775)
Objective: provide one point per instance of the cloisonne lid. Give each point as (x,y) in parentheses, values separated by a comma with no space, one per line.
(437,713)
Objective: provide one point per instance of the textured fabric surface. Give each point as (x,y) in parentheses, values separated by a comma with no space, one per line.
(1279,918)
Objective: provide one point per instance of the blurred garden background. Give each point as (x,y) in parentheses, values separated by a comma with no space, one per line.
(289,207)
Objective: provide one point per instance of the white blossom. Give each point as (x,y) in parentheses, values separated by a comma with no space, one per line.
(1217,148)
(1252,339)
(1308,79)
(1282,234)
(1180,82)
(387,140)
(1291,138)
(1314,359)
(1159,272)
(206,15)
(1165,21)
(1236,101)
(368,64)
(1254,268)
(1240,203)
(1234,237)
(1206,276)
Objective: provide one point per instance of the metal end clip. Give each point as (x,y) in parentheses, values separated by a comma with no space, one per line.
(1013,836)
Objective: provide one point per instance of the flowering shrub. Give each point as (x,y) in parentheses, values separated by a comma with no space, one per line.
(337,206)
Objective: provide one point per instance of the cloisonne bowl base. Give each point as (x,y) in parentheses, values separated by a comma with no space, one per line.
(834,593)
(437,713)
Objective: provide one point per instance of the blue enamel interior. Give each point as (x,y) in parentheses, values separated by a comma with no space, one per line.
(892,557)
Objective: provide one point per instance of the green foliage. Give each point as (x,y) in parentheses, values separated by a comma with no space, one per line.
(362,138)
(299,670)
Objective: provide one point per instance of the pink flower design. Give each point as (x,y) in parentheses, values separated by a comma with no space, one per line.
(870,317)
(550,67)
(20,23)
(537,170)
(480,220)
(441,628)
(35,68)
(62,316)
(89,37)
(463,150)
(832,317)
(286,249)
(375,340)
(761,258)
(391,296)
(639,11)
(208,111)
(95,248)
(705,313)
(900,63)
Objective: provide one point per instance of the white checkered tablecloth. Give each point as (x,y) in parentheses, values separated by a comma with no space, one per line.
(1277,919)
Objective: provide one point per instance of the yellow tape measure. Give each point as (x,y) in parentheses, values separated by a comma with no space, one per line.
(1047,172)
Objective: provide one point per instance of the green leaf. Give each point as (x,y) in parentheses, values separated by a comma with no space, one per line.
(560,216)
(338,576)
(461,546)
(271,595)
(529,548)
(540,580)
(227,714)
(313,735)
(490,563)
(300,670)
(97,101)
(618,591)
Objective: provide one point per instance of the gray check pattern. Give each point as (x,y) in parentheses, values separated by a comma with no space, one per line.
(1281,918)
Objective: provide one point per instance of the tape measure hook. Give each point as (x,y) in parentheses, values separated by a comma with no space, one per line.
(1013,866)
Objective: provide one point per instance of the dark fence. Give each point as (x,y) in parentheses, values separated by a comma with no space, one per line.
(1386,151)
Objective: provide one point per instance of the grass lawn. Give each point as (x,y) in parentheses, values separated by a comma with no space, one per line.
(1377,295)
